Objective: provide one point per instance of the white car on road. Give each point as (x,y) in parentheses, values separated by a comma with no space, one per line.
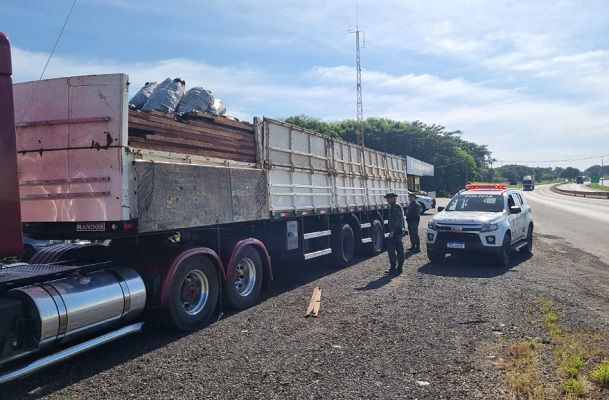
(482,218)
(425,202)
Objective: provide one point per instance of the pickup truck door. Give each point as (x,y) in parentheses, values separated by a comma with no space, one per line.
(516,220)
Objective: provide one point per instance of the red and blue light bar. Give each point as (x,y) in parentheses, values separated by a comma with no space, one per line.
(487,186)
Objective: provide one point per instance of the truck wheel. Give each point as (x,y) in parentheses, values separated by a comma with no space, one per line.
(423,209)
(243,291)
(436,256)
(193,294)
(343,245)
(375,247)
(528,248)
(505,255)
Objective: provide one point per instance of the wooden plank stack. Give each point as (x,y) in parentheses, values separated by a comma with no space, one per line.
(193,133)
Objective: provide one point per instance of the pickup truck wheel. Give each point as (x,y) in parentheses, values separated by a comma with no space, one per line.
(422,207)
(436,256)
(242,290)
(375,247)
(505,255)
(193,294)
(528,248)
(343,245)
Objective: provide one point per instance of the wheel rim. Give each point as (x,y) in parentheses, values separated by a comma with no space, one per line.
(194,292)
(377,240)
(246,277)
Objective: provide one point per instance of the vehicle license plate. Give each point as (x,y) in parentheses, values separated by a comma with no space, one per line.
(455,245)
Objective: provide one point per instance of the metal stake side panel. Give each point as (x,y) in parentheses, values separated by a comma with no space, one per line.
(299,165)
(71,138)
(349,168)
(398,178)
(309,172)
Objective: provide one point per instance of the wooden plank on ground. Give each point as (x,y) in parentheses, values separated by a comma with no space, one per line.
(315,302)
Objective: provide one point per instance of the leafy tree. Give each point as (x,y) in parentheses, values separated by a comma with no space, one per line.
(570,173)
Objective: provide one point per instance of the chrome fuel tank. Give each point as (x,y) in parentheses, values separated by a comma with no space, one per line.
(69,308)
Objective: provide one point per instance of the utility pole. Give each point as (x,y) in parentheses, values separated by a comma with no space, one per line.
(360,107)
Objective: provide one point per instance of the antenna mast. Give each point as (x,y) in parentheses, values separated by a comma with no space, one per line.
(360,107)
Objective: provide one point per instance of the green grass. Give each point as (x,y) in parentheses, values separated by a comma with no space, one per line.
(520,362)
(597,186)
(573,365)
(574,388)
(600,373)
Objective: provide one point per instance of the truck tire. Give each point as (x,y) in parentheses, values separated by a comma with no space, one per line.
(528,248)
(505,255)
(193,294)
(436,256)
(422,207)
(243,291)
(375,247)
(343,246)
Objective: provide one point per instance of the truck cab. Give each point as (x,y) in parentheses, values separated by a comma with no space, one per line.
(528,183)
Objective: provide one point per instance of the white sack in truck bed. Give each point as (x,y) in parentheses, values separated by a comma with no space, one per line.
(141,97)
(165,96)
(195,99)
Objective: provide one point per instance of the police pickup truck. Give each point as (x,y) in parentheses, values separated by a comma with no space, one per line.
(489,218)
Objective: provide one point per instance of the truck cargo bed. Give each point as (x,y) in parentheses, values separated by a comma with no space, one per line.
(89,163)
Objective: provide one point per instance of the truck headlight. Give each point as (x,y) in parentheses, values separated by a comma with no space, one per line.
(432,225)
(489,227)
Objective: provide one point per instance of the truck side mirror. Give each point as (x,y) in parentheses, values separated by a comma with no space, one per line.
(515,210)
(440,209)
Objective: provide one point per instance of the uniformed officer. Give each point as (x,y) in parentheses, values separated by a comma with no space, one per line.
(395,224)
(413,216)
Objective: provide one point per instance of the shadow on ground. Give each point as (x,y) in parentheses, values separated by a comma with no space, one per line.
(471,266)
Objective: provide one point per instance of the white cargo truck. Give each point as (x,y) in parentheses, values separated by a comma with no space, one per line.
(180,210)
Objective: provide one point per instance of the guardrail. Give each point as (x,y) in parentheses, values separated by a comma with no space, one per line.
(592,195)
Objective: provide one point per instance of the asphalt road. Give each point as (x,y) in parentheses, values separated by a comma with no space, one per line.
(582,222)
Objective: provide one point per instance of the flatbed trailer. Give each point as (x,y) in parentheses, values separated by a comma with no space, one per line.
(182,211)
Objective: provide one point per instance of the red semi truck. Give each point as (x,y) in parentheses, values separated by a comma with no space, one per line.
(180,211)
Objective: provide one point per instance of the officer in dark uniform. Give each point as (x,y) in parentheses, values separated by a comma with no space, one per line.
(395,224)
(413,217)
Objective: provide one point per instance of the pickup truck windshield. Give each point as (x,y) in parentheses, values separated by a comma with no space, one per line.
(476,202)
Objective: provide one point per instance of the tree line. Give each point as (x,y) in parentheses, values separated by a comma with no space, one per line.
(515,172)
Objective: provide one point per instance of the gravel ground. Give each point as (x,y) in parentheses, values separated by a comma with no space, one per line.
(431,333)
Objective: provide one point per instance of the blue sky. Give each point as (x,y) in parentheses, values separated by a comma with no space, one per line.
(529,79)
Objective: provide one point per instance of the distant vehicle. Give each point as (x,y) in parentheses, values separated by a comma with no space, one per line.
(528,183)
(579,179)
(490,218)
(425,202)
